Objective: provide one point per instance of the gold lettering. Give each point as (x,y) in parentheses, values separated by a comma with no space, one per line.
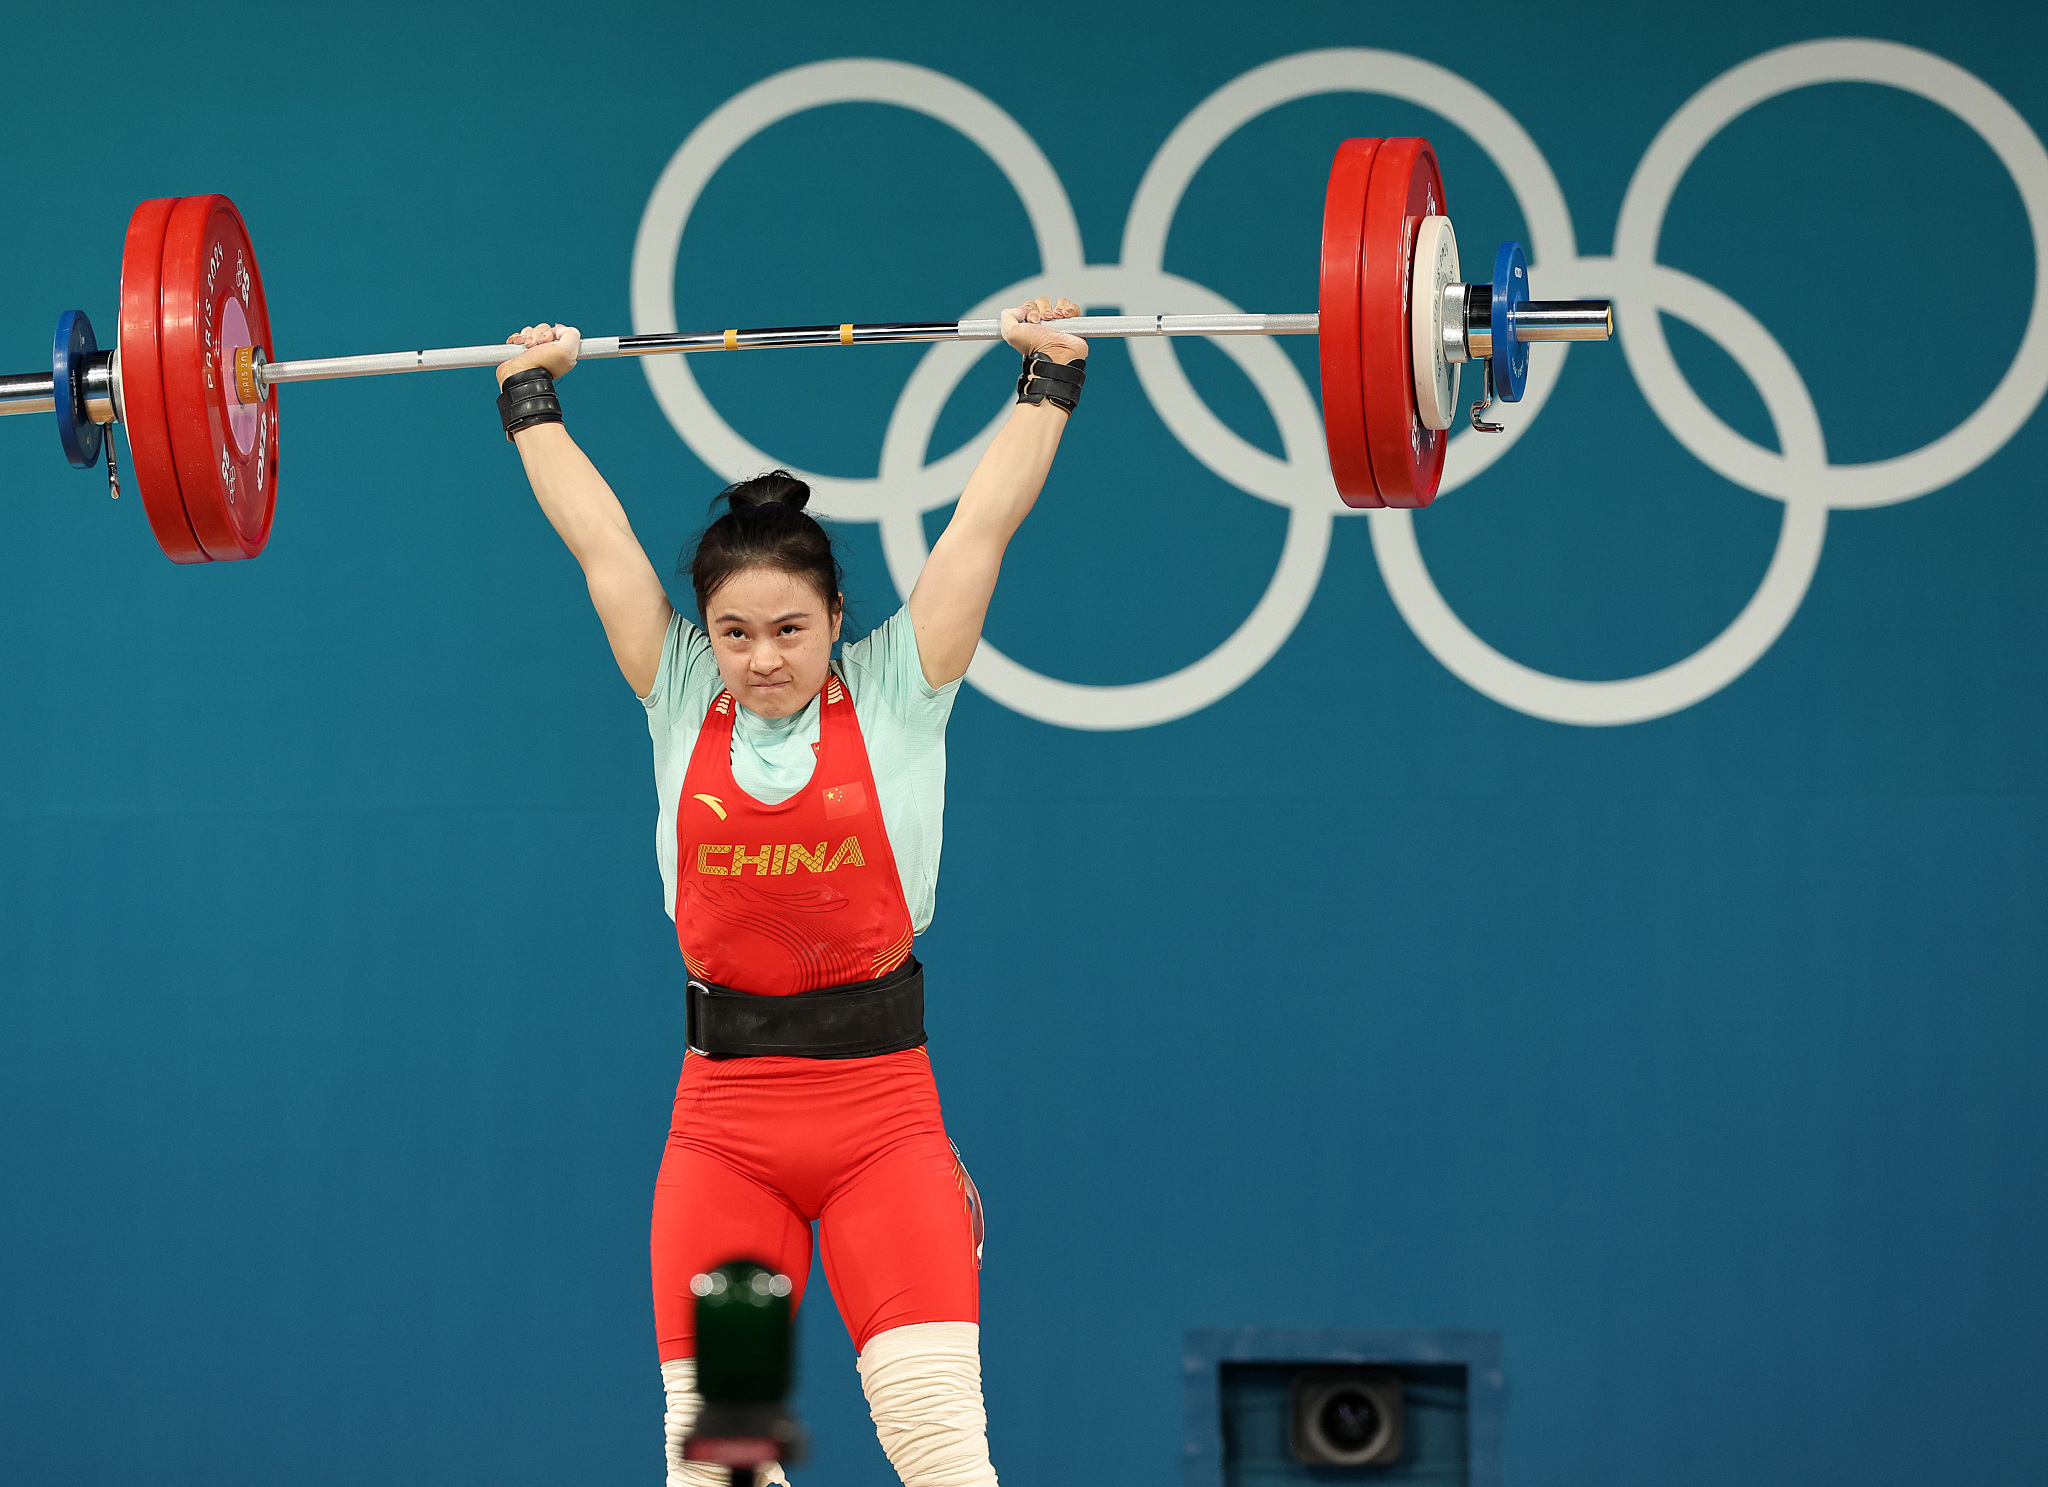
(849,851)
(813,861)
(704,849)
(775,867)
(741,858)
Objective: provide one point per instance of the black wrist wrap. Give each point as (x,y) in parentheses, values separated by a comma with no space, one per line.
(528,398)
(1044,380)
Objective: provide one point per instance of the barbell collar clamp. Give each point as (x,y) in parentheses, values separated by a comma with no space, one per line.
(1456,330)
(1478,321)
(102,388)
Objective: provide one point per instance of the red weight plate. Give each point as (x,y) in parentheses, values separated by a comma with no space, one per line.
(1338,324)
(151,466)
(1407,455)
(213,307)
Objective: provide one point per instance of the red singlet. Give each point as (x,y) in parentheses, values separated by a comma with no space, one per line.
(775,900)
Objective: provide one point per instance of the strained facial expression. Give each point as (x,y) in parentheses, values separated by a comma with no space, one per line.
(772,633)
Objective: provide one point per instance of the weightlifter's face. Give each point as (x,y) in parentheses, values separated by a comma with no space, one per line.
(773,634)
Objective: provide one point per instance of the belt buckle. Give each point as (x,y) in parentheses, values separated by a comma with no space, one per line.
(690,1018)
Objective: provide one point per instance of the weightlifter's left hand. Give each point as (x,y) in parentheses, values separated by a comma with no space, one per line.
(553,348)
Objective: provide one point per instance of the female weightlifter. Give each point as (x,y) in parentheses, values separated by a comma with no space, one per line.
(801,802)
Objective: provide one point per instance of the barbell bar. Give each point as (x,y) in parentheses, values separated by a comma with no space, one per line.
(192,383)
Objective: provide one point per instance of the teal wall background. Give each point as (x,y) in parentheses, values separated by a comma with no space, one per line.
(1700,1057)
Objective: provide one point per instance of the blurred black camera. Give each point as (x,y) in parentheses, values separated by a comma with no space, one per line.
(1346,1416)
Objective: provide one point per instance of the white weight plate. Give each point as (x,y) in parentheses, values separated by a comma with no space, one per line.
(1436,376)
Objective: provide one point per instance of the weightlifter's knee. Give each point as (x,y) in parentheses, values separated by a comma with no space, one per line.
(923,1384)
(679,1384)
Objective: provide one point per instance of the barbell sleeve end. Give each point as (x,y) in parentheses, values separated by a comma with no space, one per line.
(28,392)
(1564,320)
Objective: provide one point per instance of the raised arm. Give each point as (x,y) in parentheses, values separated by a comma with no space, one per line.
(950,602)
(631,603)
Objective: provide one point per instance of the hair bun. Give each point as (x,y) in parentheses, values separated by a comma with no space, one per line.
(776,488)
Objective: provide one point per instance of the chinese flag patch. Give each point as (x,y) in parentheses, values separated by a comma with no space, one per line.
(845,800)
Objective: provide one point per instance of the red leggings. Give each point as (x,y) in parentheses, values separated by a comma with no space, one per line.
(760,1148)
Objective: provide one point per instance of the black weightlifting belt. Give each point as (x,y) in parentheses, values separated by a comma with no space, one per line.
(885,1015)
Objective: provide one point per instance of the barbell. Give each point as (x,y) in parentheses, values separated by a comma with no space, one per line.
(191,380)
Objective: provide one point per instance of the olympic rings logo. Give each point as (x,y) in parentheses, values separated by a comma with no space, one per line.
(1798,474)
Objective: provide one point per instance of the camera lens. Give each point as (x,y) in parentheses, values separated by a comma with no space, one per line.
(1349,1421)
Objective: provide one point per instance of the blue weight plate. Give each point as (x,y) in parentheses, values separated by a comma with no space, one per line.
(80,436)
(1510,356)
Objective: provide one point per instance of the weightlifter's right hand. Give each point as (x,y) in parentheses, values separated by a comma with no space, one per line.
(553,348)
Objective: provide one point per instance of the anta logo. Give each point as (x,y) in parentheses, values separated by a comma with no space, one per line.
(714,802)
(776,858)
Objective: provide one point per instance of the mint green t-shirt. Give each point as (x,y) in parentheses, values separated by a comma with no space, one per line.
(902,722)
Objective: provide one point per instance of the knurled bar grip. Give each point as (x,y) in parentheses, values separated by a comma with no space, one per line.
(597,348)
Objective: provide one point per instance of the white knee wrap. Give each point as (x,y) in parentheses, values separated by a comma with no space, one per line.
(923,1384)
(679,1383)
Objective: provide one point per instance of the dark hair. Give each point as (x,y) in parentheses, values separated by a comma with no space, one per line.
(765,526)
